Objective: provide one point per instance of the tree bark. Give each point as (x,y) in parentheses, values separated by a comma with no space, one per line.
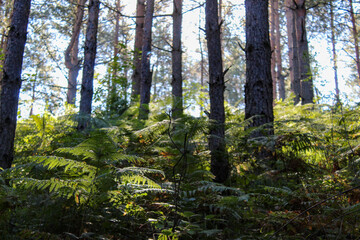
(258,86)
(356,38)
(11,80)
(273,48)
(293,50)
(89,65)
(139,37)
(279,73)
(146,75)
(177,81)
(219,160)
(72,61)
(306,82)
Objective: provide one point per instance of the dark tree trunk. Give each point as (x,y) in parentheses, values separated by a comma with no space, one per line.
(177,90)
(356,40)
(89,64)
(306,82)
(139,37)
(71,54)
(146,76)
(219,159)
(293,50)
(273,48)
(279,73)
(11,80)
(258,87)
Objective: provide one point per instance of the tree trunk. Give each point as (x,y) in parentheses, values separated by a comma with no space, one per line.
(356,39)
(146,76)
(258,86)
(89,64)
(273,48)
(333,43)
(139,37)
(177,90)
(279,75)
(219,160)
(306,82)
(72,61)
(293,50)
(11,80)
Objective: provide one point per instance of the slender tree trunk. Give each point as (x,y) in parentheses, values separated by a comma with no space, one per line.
(273,48)
(146,75)
(219,160)
(202,71)
(177,81)
(306,82)
(293,50)
(279,75)
(333,43)
(258,87)
(356,39)
(112,88)
(72,61)
(11,80)
(139,37)
(89,64)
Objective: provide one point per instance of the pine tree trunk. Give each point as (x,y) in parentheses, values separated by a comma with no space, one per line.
(71,54)
(333,43)
(279,75)
(177,81)
(11,80)
(219,159)
(89,64)
(273,47)
(356,39)
(293,50)
(306,82)
(258,86)
(139,37)
(146,75)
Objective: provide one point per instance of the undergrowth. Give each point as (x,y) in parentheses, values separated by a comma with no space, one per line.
(130,179)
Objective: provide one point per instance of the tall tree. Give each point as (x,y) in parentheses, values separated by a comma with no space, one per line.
(72,61)
(219,160)
(139,37)
(258,86)
(273,47)
(11,80)
(278,58)
(306,81)
(355,37)
(293,50)
(146,75)
(89,64)
(177,81)
(334,53)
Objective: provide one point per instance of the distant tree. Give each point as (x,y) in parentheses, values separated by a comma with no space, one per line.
(139,37)
(177,81)
(258,87)
(72,61)
(355,38)
(293,50)
(219,159)
(146,75)
(306,78)
(11,80)
(89,64)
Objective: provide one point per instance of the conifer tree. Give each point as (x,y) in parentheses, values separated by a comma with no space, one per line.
(11,79)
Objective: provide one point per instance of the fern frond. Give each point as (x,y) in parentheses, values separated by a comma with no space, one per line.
(51,162)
